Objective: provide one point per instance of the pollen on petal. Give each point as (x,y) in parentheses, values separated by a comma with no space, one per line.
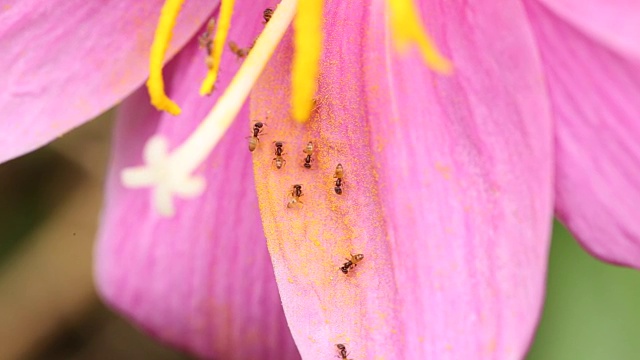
(222,30)
(161,40)
(408,29)
(308,38)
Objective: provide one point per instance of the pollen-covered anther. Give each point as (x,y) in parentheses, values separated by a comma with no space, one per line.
(308,38)
(163,174)
(220,39)
(162,37)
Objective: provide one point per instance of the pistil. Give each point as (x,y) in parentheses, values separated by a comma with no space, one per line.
(170,174)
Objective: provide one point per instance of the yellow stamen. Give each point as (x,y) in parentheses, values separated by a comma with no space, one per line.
(408,29)
(161,40)
(219,41)
(305,69)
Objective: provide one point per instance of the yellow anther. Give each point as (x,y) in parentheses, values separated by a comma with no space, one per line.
(408,29)
(219,41)
(161,40)
(308,47)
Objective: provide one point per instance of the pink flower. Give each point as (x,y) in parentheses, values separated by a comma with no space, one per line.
(449,188)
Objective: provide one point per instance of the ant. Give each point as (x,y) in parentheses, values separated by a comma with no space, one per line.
(343,351)
(266,14)
(206,41)
(278,160)
(295,195)
(338,176)
(351,263)
(309,151)
(241,53)
(253,139)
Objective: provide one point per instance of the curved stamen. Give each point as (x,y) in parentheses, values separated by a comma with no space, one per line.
(306,59)
(408,29)
(170,173)
(162,37)
(222,30)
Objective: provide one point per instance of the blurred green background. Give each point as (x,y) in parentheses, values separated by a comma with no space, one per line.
(49,206)
(592,310)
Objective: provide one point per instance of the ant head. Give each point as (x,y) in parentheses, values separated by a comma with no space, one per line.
(258,124)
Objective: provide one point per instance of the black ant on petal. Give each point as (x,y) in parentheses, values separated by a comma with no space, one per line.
(205,41)
(241,53)
(279,161)
(267,14)
(351,263)
(253,139)
(338,175)
(296,193)
(309,151)
(342,351)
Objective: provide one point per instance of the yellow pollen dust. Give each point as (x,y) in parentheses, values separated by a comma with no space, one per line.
(222,30)
(161,40)
(408,29)
(308,38)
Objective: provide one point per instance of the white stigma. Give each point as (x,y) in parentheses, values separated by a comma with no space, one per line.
(161,173)
(169,174)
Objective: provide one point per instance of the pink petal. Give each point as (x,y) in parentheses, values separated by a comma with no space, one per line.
(64,62)
(595,95)
(447,188)
(203,280)
(611,23)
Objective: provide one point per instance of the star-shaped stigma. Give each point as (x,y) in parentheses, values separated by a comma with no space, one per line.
(164,175)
